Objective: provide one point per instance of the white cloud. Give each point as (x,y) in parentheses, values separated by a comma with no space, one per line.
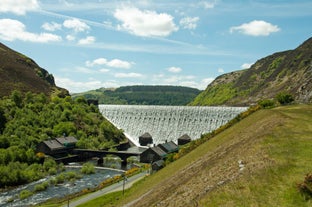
(76,25)
(99,61)
(51,26)
(256,28)
(19,7)
(114,63)
(207,5)
(104,70)
(128,75)
(189,22)
(70,37)
(145,23)
(86,41)
(246,65)
(174,69)
(220,70)
(77,86)
(204,83)
(11,30)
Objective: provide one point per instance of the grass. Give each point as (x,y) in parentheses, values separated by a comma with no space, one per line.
(290,147)
(276,145)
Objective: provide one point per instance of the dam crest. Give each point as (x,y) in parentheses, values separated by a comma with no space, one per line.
(167,123)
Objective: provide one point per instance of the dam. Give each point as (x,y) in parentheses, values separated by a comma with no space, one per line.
(167,123)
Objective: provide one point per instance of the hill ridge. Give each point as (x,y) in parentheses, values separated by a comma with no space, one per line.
(19,72)
(287,71)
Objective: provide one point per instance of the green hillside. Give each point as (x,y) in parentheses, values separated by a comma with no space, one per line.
(19,72)
(288,71)
(143,95)
(257,162)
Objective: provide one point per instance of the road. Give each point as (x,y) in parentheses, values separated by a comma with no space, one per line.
(109,189)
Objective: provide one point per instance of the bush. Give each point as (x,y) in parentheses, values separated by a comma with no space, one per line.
(41,187)
(88,168)
(267,103)
(284,98)
(25,194)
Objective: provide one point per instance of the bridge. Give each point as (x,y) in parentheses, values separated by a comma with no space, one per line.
(85,154)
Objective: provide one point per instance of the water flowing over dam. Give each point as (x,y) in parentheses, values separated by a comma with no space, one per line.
(167,123)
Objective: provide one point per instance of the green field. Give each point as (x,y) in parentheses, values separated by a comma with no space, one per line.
(275,146)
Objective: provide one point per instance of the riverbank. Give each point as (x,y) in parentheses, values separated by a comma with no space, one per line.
(87,200)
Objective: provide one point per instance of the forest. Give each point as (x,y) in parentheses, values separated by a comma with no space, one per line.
(27,119)
(143,95)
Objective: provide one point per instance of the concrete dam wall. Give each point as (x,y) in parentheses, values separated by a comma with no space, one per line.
(167,123)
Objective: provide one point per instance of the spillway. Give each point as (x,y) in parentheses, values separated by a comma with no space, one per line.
(167,123)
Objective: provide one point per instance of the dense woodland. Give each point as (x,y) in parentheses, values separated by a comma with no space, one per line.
(26,120)
(143,95)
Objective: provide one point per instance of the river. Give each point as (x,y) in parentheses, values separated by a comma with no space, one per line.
(55,191)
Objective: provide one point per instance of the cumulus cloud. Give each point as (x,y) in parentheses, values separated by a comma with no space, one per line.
(77,86)
(128,75)
(174,69)
(145,23)
(53,26)
(19,7)
(99,61)
(76,25)
(189,22)
(115,63)
(11,30)
(246,65)
(256,28)
(86,41)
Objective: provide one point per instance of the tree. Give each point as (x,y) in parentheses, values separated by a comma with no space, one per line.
(17,98)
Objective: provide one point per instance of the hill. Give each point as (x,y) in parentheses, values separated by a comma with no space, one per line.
(288,71)
(143,95)
(257,164)
(19,72)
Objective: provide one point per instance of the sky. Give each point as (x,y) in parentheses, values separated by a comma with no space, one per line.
(87,45)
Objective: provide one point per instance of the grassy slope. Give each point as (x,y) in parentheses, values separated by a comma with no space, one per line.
(275,146)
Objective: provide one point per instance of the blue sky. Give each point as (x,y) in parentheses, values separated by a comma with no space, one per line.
(91,44)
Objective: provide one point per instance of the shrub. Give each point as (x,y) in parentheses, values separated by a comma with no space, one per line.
(25,194)
(88,168)
(284,98)
(41,187)
(267,103)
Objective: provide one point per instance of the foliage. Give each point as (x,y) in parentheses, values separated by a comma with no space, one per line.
(284,98)
(41,187)
(267,103)
(25,194)
(26,120)
(216,95)
(143,95)
(88,168)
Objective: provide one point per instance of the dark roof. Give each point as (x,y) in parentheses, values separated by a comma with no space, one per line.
(169,146)
(146,135)
(185,137)
(159,151)
(67,140)
(53,144)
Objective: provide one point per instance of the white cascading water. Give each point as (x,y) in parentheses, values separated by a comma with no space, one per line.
(167,123)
